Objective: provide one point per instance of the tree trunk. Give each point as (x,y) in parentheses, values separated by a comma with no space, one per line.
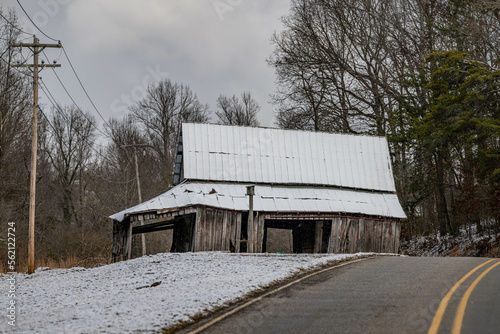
(442,207)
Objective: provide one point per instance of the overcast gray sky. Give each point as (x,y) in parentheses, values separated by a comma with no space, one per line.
(119,46)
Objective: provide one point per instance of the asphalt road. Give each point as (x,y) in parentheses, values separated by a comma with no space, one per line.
(377,295)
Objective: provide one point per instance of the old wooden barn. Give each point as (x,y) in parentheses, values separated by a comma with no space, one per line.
(313,192)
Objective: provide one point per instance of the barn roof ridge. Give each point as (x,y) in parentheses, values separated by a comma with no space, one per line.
(296,130)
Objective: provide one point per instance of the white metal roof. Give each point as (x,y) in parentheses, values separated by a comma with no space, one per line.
(272,199)
(274,156)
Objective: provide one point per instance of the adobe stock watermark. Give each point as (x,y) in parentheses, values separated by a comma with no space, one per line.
(11,278)
(223,6)
(48,10)
(139,92)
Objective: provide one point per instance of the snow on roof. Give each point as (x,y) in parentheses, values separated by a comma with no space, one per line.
(274,156)
(272,199)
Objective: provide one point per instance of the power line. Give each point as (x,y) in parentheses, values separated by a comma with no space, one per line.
(25,60)
(8,64)
(70,63)
(35,24)
(52,100)
(4,52)
(92,102)
(14,26)
(74,102)
(65,144)
(77,107)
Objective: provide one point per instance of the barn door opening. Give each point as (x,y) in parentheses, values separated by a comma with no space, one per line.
(325,237)
(244,233)
(303,237)
(295,236)
(183,237)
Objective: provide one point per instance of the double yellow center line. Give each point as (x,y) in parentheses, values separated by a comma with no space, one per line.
(457,322)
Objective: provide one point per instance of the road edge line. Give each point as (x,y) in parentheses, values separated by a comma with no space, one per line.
(438,317)
(254,300)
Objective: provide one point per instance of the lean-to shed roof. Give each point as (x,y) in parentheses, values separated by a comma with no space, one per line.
(272,199)
(274,156)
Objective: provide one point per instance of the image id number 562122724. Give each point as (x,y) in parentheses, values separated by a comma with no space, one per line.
(11,246)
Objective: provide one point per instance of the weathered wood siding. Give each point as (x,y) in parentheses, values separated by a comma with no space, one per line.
(117,252)
(217,229)
(348,234)
(122,240)
(352,235)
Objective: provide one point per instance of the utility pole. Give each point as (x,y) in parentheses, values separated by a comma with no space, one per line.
(36,48)
(143,237)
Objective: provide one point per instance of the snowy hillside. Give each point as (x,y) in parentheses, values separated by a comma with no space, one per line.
(461,245)
(145,294)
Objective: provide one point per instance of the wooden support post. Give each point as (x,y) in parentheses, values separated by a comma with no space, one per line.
(237,244)
(318,237)
(143,236)
(259,234)
(128,232)
(251,236)
(116,249)
(397,236)
(198,246)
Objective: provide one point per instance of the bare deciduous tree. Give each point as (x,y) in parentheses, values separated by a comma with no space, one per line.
(117,171)
(341,65)
(160,114)
(68,146)
(357,66)
(15,125)
(233,111)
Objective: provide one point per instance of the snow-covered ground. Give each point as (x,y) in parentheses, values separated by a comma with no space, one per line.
(144,294)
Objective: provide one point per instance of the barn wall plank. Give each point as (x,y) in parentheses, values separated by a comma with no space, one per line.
(210,229)
(128,239)
(397,236)
(338,236)
(220,227)
(197,231)
(225,235)
(370,242)
(318,236)
(218,230)
(337,241)
(205,231)
(232,229)
(238,232)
